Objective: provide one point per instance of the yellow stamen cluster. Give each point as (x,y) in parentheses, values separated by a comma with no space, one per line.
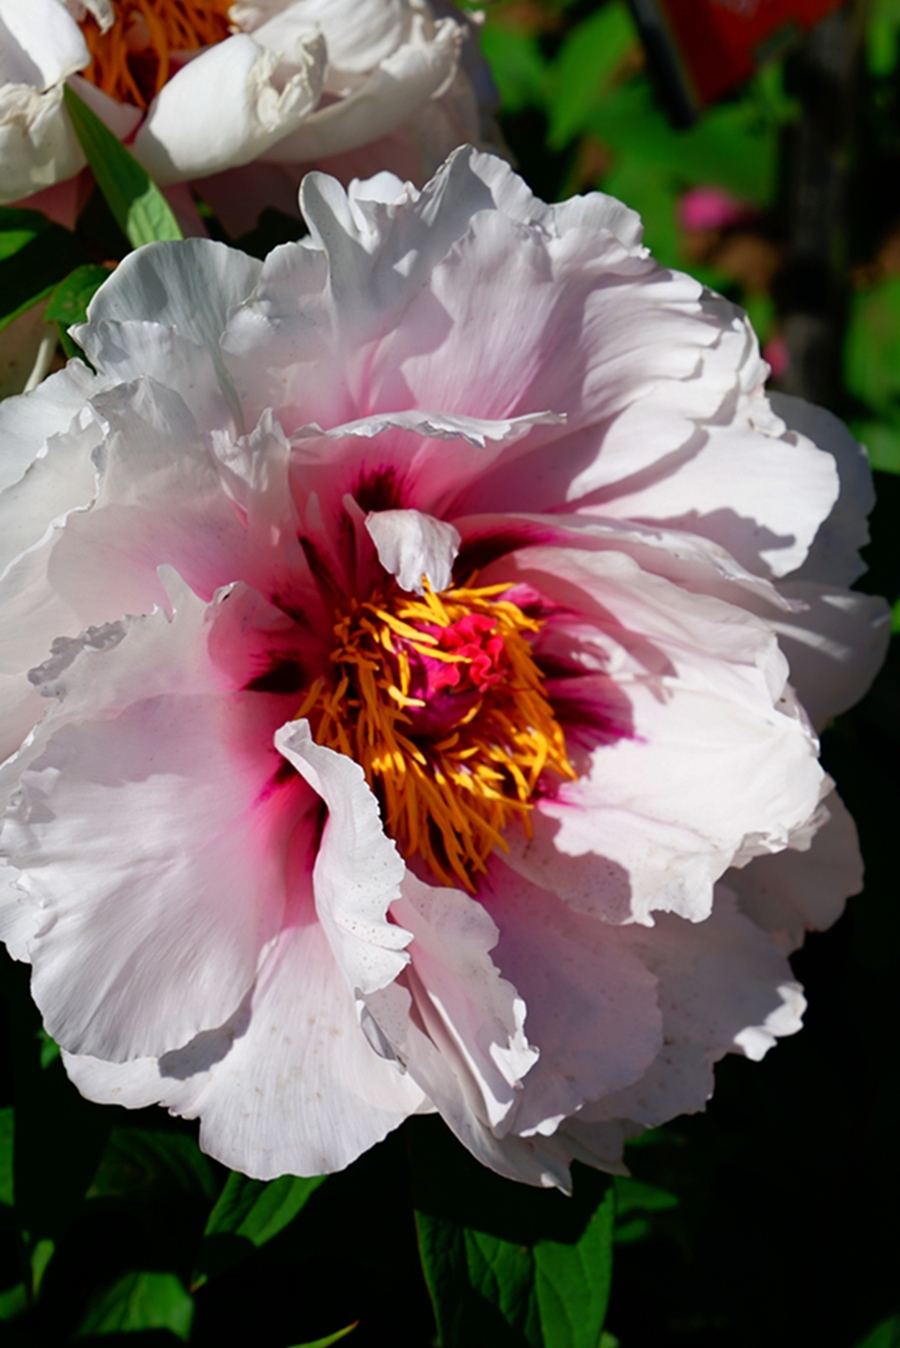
(447,797)
(149,29)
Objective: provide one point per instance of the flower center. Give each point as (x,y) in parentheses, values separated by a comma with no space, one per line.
(440,701)
(131,60)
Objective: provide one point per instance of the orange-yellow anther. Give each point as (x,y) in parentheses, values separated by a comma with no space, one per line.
(440,701)
(131,60)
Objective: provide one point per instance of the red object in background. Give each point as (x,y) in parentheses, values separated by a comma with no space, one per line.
(702,48)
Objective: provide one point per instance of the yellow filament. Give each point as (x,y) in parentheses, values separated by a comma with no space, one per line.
(451,799)
(153,28)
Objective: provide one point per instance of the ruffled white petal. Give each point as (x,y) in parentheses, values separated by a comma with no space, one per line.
(26,424)
(359,33)
(456,1026)
(190,289)
(394,91)
(411,546)
(357,872)
(40,43)
(469,1019)
(37,144)
(224,107)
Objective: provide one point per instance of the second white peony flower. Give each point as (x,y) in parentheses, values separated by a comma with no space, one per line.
(234,98)
(412,648)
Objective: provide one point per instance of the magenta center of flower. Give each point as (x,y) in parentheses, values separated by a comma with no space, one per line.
(440,701)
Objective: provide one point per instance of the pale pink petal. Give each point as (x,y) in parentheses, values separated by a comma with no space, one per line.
(706,687)
(834,556)
(796,890)
(289,1086)
(721,488)
(591,1005)
(597,1144)
(718,979)
(64,201)
(18,919)
(147,937)
(696,564)
(20,708)
(435,1061)
(407,448)
(463,1008)
(836,644)
(128,351)
(60,482)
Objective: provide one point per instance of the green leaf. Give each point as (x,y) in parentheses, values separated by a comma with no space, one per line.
(13,1301)
(882,441)
(248,1214)
(329,1338)
(872,369)
(258,1210)
(35,255)
(586,64)
(139,1301)
(68,305)
(149,1164)
(506,1264)
(49,1050)
(41,1255)
(517,65)
(883,22)
(573,1281)
(887,1335)
(733,146)
(635,1196)
(140,209)
(59,1136)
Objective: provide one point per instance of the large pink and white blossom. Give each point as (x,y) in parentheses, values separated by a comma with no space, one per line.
(234,98)
(412,652)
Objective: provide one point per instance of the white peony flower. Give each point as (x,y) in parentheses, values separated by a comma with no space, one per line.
(198,88)
(409,650)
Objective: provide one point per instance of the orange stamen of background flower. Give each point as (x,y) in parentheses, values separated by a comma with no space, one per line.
(450,780)
(131,60)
